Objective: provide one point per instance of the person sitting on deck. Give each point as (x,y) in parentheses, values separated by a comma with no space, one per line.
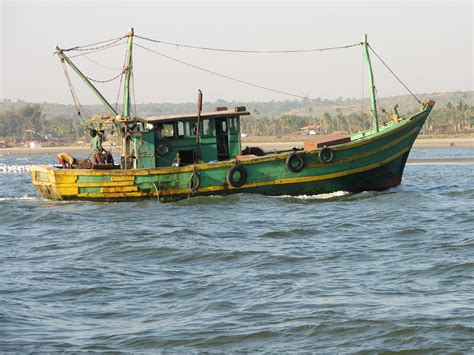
(66,160)
(96,145)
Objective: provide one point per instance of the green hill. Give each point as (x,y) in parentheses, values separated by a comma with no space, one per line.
(263,109)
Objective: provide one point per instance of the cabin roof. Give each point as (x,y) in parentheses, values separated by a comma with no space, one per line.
(238,111)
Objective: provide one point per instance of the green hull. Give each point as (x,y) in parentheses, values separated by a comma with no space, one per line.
(374,161)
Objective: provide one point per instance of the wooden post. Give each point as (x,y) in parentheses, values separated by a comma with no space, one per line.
(198,130)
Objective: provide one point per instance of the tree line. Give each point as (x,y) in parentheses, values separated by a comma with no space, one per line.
(452,116)
(28,122)
(268,109)
(19,122)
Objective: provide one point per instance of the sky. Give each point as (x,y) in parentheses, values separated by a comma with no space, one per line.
(429,45)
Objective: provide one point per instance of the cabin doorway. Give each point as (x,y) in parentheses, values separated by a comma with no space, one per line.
(222,138)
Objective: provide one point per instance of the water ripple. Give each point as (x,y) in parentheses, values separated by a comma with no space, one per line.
(375,272)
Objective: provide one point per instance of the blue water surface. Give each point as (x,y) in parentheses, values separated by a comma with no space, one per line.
(369,272)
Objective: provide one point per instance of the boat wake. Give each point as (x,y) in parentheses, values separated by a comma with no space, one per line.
(317,197)
(18,198)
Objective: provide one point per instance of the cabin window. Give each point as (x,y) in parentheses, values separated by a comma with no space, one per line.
(168,130)
(206,127)
(233,125)
(224,126)
(180,129)
(189,129)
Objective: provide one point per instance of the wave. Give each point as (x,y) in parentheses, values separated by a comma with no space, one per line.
(317,197)
(18,198)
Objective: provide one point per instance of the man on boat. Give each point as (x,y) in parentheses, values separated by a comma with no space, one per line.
(96,145)
(66,160)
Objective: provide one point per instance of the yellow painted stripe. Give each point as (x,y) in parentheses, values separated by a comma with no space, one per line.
(67,191)
(66,179)
(99,184)
(119,189)
(112,195)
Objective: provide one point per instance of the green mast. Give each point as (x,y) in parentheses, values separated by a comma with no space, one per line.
(375,116)
(128,73)
(126,159)
(64,58)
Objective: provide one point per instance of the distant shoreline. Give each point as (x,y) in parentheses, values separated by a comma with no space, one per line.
(82,152)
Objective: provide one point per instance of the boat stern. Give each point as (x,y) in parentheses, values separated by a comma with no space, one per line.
(86,184)
(44,179)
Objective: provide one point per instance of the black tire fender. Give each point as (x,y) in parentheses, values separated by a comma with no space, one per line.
(243,176)
(326,155)
(295,157)
(162,147)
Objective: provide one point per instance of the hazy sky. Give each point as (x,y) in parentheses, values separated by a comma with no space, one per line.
(429,44)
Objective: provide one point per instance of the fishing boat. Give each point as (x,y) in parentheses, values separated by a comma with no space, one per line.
(179,156)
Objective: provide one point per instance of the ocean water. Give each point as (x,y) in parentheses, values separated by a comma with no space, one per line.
(373,272)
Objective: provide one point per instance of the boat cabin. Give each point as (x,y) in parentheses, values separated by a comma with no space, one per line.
(165,141)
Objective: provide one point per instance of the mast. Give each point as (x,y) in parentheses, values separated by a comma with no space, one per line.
(64,58)
(128,72)
(126,161)
(375,117)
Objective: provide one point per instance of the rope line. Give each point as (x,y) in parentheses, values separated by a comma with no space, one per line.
(96,50)
(391,71)
(77,104)
(83,48)
(105,81)
(99,64)
(121,80)
(71,89)
(247,51)
(228,77)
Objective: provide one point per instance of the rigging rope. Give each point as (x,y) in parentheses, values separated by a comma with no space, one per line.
(121,80)
(99,64)
(247,51)
(77,104)
(96,50)
(105,81)
(229,77)
(83,48)
(386,66)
